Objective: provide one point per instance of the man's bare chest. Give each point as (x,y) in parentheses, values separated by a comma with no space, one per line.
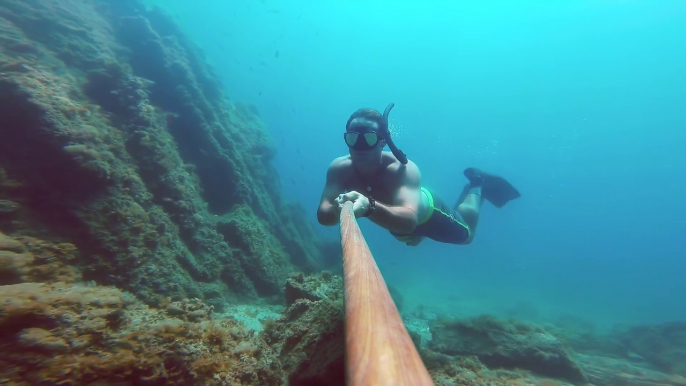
(374,187)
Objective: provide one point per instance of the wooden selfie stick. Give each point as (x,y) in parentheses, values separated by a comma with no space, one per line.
(378,348)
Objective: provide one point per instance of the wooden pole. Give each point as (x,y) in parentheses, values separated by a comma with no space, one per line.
(379,350)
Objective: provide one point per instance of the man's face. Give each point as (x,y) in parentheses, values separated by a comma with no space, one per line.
(364,140)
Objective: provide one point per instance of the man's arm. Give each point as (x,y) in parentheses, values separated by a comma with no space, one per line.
(328,212)
(401,217)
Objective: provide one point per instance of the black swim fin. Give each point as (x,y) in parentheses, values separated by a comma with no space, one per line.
(495,189)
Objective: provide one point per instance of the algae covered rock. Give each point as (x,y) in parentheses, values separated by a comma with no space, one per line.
(663,345)
(27,259)
(506,344)
(314,287)
(118,138)
(75,334)
(309,337)
(262,257)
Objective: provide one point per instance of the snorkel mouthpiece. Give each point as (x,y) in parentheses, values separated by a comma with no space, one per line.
(387,134)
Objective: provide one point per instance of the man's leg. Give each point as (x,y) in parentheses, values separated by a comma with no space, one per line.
(445,224)
(470,207)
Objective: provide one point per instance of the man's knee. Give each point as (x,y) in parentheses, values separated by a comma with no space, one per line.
(469,239)
(468,212)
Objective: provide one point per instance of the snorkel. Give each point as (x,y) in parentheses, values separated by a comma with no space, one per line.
(387,136)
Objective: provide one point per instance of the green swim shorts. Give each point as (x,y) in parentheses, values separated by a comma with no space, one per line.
(441,223)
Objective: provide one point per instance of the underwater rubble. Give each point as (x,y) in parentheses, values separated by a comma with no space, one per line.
(143,238)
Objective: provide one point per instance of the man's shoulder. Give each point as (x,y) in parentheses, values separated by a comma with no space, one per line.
(393,165)
(340,164)
(403,173)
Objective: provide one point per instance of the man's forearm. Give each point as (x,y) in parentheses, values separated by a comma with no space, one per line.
(394,218)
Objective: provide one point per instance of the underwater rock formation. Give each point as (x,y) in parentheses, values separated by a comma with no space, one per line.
(117,138)
(663,345)
(313,287)
(28,259)
(309,337)
(509,345)
(74,334)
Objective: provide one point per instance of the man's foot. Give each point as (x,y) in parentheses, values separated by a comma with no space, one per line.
(476,181)
(474,176)
(491,187)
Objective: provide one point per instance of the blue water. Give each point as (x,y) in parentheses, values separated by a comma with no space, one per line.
(580,104)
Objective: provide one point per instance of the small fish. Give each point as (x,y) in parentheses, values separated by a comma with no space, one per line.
(276,55)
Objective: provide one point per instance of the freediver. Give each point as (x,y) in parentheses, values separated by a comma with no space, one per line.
(386,188)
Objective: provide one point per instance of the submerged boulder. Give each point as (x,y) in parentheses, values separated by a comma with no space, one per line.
(309,337)
(506,344)
(662,345)
(313,287)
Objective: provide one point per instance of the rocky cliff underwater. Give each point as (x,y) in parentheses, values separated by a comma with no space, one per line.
(143,239)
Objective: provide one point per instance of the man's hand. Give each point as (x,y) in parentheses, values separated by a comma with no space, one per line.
(360,202)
